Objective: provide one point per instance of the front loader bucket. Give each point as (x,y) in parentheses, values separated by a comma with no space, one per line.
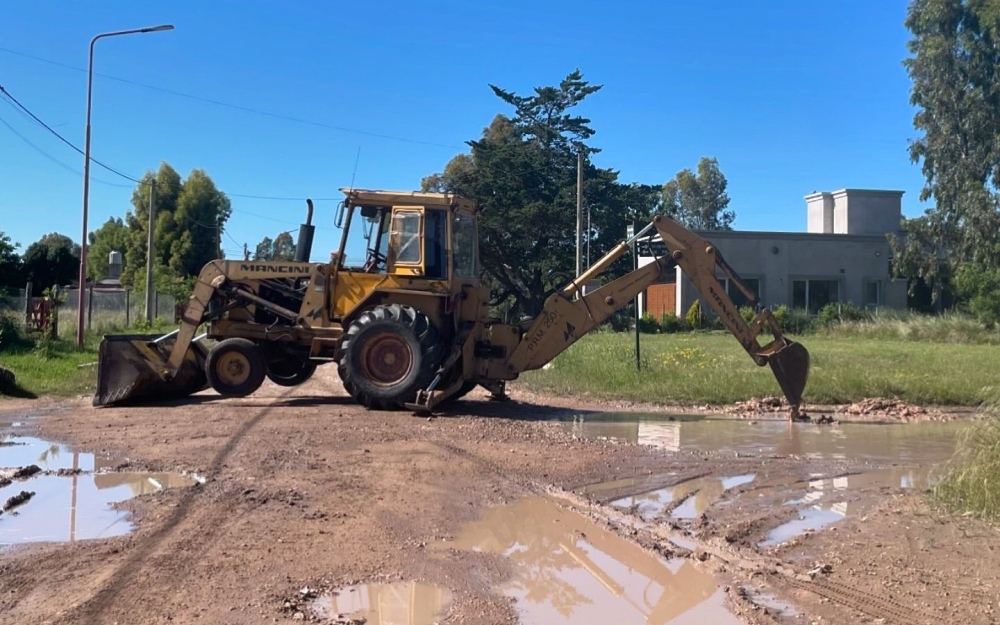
(132,368)
(790,365)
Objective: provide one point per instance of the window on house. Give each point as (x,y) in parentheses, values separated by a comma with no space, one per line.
(737,295)
(815,294)
(873,293)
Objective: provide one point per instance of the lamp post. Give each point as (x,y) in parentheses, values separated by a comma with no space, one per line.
(86,165)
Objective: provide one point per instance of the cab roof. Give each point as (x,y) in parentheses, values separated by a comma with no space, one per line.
(372,197)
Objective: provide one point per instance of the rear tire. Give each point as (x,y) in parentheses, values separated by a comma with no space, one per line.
(235,367)
(387,355)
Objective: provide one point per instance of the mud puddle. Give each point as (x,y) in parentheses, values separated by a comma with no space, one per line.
(68,495)
(409,603)
(919,443)
(567,569)
(885,457)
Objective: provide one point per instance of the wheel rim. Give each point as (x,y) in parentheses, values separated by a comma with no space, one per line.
(233,368)
(386,359)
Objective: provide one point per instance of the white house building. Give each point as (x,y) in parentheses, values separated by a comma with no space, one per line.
(843,257)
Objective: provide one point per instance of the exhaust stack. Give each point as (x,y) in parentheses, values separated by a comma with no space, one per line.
(306,231)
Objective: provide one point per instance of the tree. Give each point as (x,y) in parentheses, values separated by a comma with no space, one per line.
(190,218)
(699,200)
(282,247)
(265,250)
(11,276)
(955,69)
(113,236)
(52,260)
(921,252)
(522,171)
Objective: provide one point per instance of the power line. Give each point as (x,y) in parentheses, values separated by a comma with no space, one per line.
(13,101)
(54,159)
(22,109)
(239,107)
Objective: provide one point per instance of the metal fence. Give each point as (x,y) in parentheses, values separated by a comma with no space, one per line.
(104,309)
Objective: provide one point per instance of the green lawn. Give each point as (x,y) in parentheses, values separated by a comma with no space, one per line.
(711,367)
(56,373)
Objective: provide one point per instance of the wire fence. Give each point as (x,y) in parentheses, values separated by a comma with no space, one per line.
(103,309)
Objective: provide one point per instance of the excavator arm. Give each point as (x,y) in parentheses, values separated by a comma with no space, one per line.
(564,320)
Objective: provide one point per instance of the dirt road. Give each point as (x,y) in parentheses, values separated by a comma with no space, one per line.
(305,490)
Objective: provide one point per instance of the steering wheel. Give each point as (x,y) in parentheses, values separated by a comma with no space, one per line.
(373,260)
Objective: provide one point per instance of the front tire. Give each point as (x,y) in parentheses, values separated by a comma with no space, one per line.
(387,355)
(235,367)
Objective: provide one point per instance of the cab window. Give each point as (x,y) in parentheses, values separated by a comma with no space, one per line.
(404,239)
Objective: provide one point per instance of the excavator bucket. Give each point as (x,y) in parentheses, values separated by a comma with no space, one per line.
(132,368)
(790,365)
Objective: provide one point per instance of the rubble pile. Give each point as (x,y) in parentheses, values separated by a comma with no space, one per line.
(757,406)
(882,407)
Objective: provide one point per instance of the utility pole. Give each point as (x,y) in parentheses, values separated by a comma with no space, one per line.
(149,251)
(246,252)
(579,211)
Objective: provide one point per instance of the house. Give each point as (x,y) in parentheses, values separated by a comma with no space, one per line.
(844,256)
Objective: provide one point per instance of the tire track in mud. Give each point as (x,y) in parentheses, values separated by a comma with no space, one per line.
(734,560)
(861,600)
(190,543)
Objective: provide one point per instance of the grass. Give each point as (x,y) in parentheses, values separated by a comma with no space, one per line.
(56,367)
(946,328)
(711,368)
(971,485)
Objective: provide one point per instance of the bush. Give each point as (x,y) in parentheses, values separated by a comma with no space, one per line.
(695,319)
(648,324)
(669,323)
(11,332)
(748,314)
(834,313)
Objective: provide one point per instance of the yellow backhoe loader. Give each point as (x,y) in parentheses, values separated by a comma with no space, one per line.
(409,328)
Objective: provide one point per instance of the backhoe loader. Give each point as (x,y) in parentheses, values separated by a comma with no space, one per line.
(410,327)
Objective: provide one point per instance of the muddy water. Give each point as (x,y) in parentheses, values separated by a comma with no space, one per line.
(407,603)
(567,569)
(917,443)
(892,456)
(74,505)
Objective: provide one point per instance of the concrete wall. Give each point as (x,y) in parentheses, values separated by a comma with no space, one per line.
(854,211)
(778,259)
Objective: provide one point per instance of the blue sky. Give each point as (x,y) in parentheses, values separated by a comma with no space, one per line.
(790,96)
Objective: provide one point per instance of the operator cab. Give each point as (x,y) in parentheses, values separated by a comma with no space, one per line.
(418,235)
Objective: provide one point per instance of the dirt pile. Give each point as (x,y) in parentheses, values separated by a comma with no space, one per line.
(882,408)
(757,407)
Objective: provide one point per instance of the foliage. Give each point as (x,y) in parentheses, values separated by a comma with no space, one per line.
(282,247)
(956,91)
(834,313)
(748,314)
(921,251)
(699,200)
(113,236)
(648,324)
(693,316)
(190,218)
(11,275)
(669,323)
(979,285)
(53,259)
(969,486)
(522,171)
(711,367)
(11,332)
(951,328)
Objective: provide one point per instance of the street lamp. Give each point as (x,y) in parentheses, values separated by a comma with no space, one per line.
(86,165)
